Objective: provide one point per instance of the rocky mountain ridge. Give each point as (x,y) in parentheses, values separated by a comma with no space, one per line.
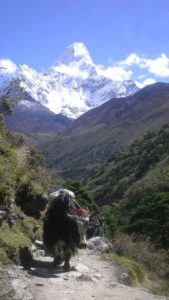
(72,86)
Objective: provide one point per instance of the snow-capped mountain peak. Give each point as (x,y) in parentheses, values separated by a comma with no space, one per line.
(73,85)
(24,72)
(75,53)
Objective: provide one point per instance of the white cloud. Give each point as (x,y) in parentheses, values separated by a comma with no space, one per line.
(147,81)
(115,73)
(7,67)
(133,66)
(158,67)
(139,84)
(137,67)
(132,59)
(70,70)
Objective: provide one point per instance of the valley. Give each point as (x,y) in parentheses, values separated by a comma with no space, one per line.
(111,151)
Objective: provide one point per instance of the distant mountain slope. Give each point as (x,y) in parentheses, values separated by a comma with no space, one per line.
(95,136)
(30,117)
(72,86)
(35,121)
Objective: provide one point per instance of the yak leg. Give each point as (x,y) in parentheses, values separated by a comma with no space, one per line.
(82,226)
(66,266)
(58,252)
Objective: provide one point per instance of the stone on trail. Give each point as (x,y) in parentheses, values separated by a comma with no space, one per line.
(85,277)
(124,278)
(99,245)
(82,268)
(39,253)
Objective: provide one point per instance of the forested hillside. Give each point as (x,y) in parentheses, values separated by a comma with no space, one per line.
(135,184)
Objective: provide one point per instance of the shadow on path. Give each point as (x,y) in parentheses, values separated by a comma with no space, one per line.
(42,268)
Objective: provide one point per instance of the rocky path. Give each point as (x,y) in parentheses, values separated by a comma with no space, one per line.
(92,278)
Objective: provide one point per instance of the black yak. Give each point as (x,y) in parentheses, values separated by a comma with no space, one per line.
(60,231)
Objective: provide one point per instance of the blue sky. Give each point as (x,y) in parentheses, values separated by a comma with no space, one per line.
(129,35)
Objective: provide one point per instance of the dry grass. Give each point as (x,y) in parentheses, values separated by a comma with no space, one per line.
(152,262)
(155,260)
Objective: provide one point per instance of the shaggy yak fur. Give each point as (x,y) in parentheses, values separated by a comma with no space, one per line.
(60,231)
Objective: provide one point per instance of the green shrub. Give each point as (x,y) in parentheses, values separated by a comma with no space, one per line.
(12,240)
(29,195)
(109,221)
(150,218)
(30,227)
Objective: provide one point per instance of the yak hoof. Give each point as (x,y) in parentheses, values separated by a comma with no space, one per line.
(82,246)
(66,268)
(57,261)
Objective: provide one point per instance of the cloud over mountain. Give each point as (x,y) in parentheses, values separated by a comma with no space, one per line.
(7,67)
(159,67)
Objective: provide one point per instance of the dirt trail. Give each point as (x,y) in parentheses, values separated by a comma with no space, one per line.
(93,278)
